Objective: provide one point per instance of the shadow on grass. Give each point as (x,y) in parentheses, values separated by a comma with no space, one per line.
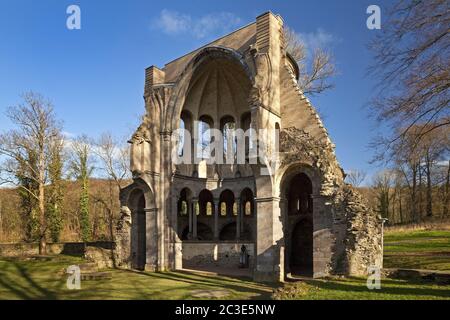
(240,285)
(23,285)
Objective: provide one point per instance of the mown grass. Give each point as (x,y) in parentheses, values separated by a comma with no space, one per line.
(20,279)
(44,280)
(356,289)
(421,249)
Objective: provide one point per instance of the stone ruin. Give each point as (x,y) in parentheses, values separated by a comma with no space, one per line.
(301,219)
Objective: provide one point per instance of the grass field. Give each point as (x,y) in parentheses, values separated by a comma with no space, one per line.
(420,249)
(356,289)
(43,280)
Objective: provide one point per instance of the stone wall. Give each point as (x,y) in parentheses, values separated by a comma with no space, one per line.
(359,234)
(212,254)
(68,248)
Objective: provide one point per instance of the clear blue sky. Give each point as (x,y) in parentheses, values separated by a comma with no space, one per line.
(95,76)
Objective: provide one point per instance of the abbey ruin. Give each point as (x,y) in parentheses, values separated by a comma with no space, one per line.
(293,213)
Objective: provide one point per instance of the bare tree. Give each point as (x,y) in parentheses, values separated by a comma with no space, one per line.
(356,177)
(28,149)
(114,166)
(382,184)
(412,55)
(433,148)
(314,76)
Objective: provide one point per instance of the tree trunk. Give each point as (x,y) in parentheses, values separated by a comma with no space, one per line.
(420,195)
(42,240)
(429,190)
(413,195)
(400,206)
(42,231)
(446,197)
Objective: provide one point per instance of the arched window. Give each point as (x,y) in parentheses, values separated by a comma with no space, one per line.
(205,200)
(247,200)
(181,138)
(205,124)
(248,208)
(223,209)
(299,195)
(197,209)
(185,125)
(209,211)
(227,205)
(246,120)
(183,206)
(228,128)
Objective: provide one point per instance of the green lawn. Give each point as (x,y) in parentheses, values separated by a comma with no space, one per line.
(43,280)
(356,289)
(20,279)
(417,250)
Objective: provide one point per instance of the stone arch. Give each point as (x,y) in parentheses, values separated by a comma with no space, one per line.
(178,95)
(140,199)
(227,198)
(137,205)
(299,184)
(205,197)
(184,201)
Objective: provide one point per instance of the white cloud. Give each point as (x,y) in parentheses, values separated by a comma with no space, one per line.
(317,39)
(176,23)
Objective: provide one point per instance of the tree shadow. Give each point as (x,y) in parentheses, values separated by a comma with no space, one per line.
(24,287)
(191,278)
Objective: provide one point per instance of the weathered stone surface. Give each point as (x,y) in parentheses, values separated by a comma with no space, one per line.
(102,257)
(362,239)
(123,239)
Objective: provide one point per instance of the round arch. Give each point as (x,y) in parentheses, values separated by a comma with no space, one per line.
(299,183)
(178,96)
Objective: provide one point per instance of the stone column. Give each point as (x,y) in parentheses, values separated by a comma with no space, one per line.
(194,218)
(238,219)
(270,242)
(216,218)
(151,259)
(189,212)
(176,255)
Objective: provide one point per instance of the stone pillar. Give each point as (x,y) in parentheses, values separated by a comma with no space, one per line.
(270,242)
(176,254)
(151,259)
(216,218)
(238,219)
(189,212)
(242,216)
(194,218)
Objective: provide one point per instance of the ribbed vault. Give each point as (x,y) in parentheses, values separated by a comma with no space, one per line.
(218,88)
